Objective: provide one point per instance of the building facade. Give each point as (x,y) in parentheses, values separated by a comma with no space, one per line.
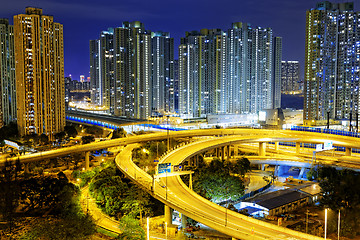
(7,74)
(39,57)
(162,77)
(131,71)
(332,62)
(233,72)
(132,50)
(200,64)
(290,77)
(102,70)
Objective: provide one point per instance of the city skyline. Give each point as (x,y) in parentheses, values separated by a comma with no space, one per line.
(85,19)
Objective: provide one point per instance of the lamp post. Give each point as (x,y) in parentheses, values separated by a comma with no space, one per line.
(147,228)
(166,232)
(339,225)
(168,139)
(325,221)
(307,220)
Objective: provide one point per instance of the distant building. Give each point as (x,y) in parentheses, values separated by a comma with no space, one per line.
(39,64)
(102,70)
(7,74)
(163,98)
(290,77)
(132,59)
(235,72)
(176,86)
(332,62)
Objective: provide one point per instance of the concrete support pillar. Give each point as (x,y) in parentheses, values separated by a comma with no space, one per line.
(301,172)
(218,152)
(87,160)
(347,151)
(190,182)
(262,148)
(297,147)
(277,146)
(262,167)
(228,152)
(223,153)
(236,150)
(168,215)
(183,221)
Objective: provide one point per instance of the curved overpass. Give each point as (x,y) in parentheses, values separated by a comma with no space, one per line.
(261,135)
(178,196)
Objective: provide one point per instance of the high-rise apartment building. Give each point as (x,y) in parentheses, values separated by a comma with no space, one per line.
(162,76)
(39,65)
(332,62)
(277,57)
(237,71)
(132,51)
(7,74)
(176,86)
(290,77)
(131,71)
(200,64)
(102,70)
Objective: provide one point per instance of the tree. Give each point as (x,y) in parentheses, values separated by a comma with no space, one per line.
(217,182)
(131,229)
(60,136)
(118,133)
(137,203)
(9,191)
(241,166)
(94,131)
(71,131)
(43,139)
(340,188)
(87,139)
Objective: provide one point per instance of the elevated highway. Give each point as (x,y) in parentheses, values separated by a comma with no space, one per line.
(178,196)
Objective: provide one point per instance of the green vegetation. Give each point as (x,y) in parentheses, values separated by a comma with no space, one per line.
(87,139)
(71,131)
(341,191)
(24,195)
(131,229)
(118,133)
(219,180)
(118,197)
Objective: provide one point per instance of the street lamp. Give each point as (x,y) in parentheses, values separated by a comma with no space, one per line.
(325,221)
(168,139)
(339,225)
(147,228)
(307,220)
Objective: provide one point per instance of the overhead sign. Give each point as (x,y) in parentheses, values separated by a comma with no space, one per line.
(164,168)
(319,147)
(328,145)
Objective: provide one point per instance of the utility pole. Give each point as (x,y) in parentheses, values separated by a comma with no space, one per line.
(307,220)
(350,121)
(328,120)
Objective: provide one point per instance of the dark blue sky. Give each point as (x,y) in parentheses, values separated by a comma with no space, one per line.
(85,19)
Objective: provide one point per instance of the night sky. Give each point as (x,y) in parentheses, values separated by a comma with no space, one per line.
(85,19)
